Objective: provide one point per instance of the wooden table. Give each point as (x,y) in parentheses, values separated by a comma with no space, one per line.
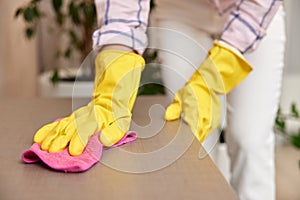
(163,163)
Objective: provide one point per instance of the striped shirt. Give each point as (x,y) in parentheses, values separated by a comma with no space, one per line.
(122,22)
(125,22)
(247,22)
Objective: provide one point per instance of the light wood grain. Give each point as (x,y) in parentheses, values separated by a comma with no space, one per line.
(188,177)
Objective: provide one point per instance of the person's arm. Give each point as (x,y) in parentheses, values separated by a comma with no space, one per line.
(117,76)
(122,23)
(224,67)
(248,22)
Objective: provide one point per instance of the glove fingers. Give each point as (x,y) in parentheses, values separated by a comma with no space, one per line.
(213,120)
(45,145)
(83,130)
(113,133)
(204,128)
(54,133)
(204,119)
(63,139)
(43,132)
(200,130)
(58,144)
(81,125)
(173,111)
(77,144)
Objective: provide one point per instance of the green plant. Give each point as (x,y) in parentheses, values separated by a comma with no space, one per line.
(281,125)
(75,18)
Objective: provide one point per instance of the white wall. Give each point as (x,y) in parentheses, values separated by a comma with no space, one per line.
(292,8)
(291,79)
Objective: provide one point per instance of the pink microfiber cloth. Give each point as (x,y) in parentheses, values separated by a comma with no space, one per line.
(63,161)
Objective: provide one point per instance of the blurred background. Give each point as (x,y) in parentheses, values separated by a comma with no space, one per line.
(44,42)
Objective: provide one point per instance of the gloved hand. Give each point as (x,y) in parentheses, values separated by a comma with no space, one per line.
(222,70)
(115,88)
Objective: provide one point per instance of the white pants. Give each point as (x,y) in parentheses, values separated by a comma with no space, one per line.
(251,107)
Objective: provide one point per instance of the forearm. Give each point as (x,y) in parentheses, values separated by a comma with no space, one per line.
(248,22)
(122,23)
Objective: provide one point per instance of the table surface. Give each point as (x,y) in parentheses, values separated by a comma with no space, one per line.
(165,162)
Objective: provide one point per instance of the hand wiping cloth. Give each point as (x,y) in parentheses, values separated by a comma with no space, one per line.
(73,143)
(63,161)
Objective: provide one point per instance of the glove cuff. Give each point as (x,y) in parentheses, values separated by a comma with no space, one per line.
(107,57)
(229,47)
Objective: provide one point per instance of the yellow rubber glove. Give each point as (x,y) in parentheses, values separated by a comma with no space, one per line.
(116,84)
(221,71)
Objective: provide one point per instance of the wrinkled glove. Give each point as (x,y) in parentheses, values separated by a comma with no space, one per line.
(222,70)
(115,88)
